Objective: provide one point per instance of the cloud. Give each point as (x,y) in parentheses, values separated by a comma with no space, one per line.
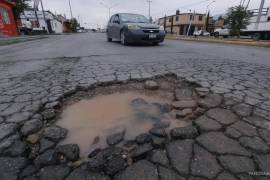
(92,13)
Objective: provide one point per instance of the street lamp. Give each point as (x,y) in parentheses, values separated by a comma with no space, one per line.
(109,8)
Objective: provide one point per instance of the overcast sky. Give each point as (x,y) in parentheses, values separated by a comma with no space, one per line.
(92,13)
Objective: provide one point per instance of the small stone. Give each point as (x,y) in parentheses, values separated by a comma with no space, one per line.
(217,142)
(141,170)
(141,151)
(255,144)
(162,124)
(54,133)
(210,101)
(70,151)
(94,153)
(183,113)
(45,144)
(183,104)
(83,174)
(116,138)
(184,93)
(48,114)
(151,85)
(54,172)
(204,164)
(159,142)
(138,102)
(160,132)
(243,110)
(223,116)
(237,164)
(31,127)
(180,153)
(33,138)
(167,174)
(45,159)
(159,157)
(162,108)
(206,124)
(189,132)
(143,138)
(115,164)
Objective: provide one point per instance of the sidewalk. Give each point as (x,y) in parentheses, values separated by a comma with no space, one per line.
(11,40)
(246,42)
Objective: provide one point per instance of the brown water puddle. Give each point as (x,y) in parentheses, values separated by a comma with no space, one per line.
(90,121)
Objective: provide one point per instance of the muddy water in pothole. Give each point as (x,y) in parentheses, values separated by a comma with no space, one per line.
(90,121)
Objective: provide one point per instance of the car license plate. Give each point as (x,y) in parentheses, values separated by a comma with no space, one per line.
(152,36)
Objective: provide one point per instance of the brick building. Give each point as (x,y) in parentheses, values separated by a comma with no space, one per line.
(7,22)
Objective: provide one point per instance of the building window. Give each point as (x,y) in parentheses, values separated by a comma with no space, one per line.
(191,17)
(268,19)
(170,19)
(4,15)
(200,18)
(177,18)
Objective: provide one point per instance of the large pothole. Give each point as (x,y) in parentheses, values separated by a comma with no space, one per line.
(117,114)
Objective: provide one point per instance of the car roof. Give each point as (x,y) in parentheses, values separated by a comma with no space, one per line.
(127,13)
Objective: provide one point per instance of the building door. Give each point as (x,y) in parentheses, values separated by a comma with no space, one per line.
(181,30)
(48,22)
(191,31)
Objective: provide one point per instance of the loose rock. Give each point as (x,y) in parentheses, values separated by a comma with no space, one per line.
(31,127)
(54,133)
(151,85)
(159,157)
(184,132)
(70,151)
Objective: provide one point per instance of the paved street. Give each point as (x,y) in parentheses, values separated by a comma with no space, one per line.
(36,75)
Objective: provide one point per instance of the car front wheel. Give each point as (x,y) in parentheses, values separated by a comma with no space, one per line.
(123,38)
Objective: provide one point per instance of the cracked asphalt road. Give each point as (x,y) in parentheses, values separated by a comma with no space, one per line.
(34,76)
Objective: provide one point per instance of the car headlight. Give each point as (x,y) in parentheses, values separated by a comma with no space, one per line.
(133,27)
(161,28)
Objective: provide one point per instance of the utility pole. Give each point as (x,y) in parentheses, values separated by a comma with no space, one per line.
(149,8)
(259,15)
(70,9)
(190,22)
(44,17)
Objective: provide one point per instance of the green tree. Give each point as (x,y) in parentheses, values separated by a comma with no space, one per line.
(237,19)
(21,5)
(74,24)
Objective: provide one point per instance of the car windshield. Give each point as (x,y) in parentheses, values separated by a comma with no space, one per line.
(133,18)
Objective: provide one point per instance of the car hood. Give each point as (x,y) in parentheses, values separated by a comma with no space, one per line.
(145,25)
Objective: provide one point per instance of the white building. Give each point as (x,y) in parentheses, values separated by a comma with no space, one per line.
(51,22)
(264,24)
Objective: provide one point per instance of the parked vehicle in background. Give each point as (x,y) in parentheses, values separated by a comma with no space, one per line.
(224,32)
(134,28)
(259,27)
(201,33)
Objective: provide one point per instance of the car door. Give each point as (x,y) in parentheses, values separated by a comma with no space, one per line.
(110,27)
(116,27)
